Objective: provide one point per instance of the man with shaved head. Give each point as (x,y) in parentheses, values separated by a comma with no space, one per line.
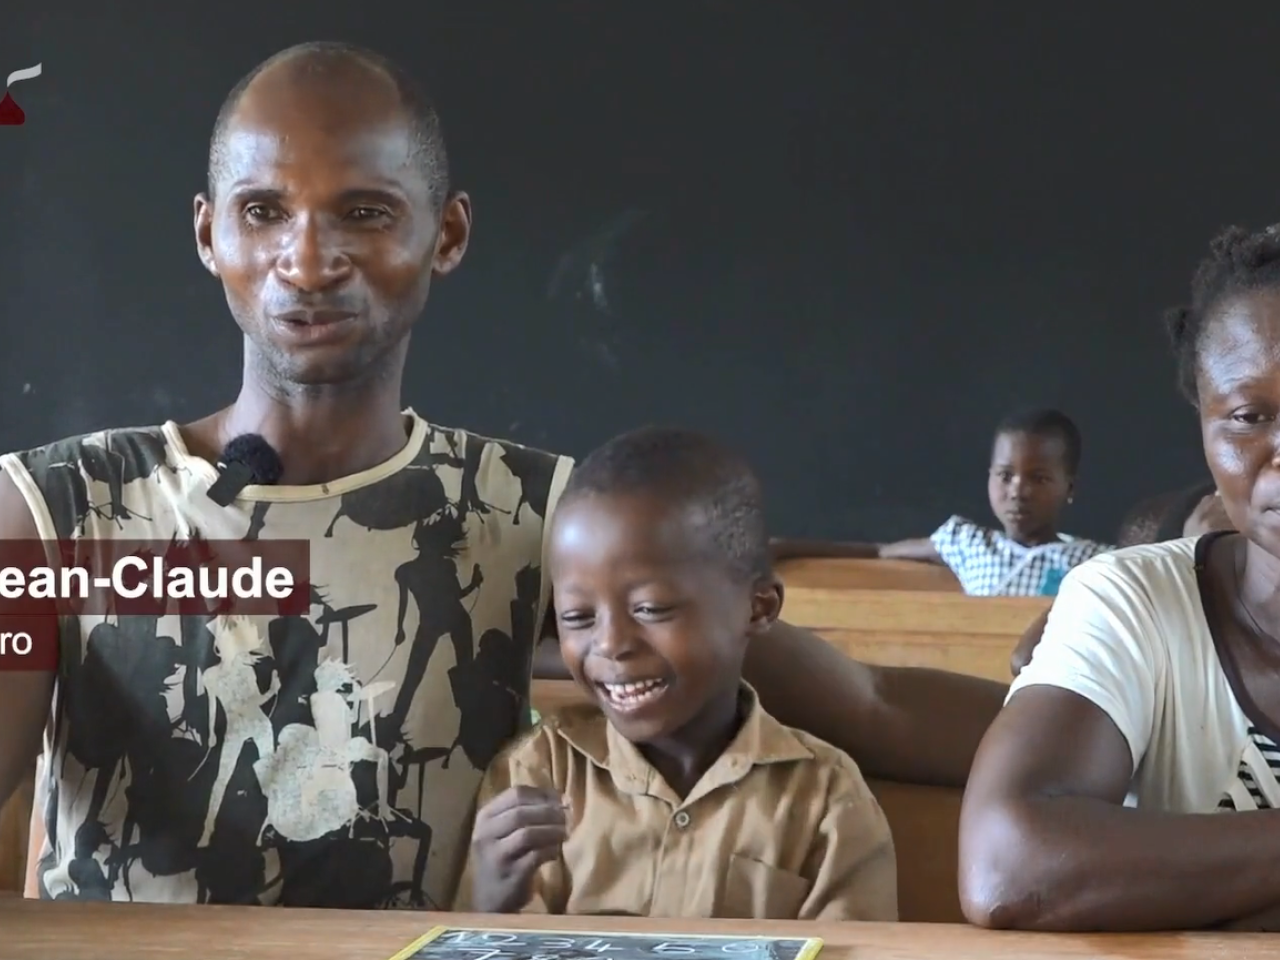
(333,759)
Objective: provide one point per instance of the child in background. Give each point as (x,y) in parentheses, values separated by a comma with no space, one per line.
(1034,462)
(675,794)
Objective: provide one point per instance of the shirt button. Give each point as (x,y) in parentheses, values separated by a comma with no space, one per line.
(682,819)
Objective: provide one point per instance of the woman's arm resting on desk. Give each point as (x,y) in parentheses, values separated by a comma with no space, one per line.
(1045,840)
(1046,843)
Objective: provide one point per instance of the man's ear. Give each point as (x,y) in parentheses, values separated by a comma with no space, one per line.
(204,232)
(766,603)
(454,235)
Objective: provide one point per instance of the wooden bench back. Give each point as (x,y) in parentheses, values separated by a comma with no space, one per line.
(848,574)
(918,628)
(15,819)
(926,837)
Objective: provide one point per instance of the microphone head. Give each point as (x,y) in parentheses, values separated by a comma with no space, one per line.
(255,453)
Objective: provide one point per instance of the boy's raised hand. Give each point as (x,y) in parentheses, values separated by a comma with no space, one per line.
(515,833)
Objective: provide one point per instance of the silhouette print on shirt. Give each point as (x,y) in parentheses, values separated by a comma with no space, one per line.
(323,760)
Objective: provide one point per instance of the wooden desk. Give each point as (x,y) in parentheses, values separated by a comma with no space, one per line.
(42,930)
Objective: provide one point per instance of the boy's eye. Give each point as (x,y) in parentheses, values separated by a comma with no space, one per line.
(652,610)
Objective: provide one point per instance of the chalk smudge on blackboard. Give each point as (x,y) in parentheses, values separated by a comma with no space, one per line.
(581,272)
(602,352)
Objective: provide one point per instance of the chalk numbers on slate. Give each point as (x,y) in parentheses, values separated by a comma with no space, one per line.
(540,945)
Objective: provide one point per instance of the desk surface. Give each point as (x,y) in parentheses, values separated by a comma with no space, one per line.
(106,931)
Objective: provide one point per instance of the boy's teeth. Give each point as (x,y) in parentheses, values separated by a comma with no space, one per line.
(633,691)
(632,687)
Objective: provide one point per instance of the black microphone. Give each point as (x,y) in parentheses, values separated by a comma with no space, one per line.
(245,459)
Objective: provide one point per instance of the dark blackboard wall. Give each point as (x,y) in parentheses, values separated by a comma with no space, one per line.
(844,237)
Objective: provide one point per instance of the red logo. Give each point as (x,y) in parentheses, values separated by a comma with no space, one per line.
(12,115)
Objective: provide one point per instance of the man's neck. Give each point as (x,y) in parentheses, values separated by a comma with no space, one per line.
(319,438)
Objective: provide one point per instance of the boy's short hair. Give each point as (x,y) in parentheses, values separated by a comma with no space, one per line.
(1048,423)
(692,470)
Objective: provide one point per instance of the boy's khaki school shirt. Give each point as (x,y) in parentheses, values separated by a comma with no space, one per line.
(782,826)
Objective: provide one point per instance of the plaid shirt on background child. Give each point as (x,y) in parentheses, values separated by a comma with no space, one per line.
(988,564)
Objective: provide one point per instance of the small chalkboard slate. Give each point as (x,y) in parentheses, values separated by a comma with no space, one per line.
(453,943)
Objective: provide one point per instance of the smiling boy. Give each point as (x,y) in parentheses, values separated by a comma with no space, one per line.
(675,794)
